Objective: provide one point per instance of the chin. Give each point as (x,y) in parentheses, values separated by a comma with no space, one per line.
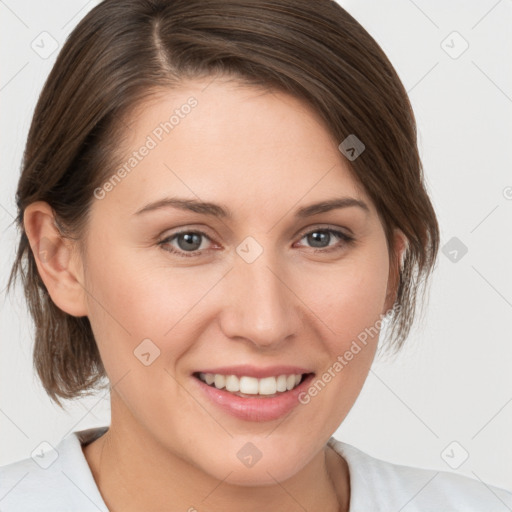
(247,466)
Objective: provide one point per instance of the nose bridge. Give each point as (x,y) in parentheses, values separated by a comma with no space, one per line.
(260,305)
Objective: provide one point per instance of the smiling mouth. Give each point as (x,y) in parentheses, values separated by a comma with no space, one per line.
(252,387)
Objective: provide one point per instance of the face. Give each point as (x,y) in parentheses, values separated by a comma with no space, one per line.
(268,288)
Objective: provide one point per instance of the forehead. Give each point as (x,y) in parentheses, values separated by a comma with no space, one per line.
(243,146)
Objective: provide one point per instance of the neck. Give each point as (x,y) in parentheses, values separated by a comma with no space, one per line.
(133,473)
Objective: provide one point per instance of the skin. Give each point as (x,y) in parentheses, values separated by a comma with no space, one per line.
(262,155)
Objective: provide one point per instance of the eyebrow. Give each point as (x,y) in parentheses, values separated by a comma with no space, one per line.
(217,210)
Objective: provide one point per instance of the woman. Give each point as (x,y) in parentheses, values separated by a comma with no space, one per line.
(275,139)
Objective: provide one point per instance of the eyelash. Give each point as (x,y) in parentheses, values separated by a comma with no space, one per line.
(346,239)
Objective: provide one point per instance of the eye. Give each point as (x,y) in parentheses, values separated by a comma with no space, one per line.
(320,238)
(189,243)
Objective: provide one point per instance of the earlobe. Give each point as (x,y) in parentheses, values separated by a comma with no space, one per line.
(57,261)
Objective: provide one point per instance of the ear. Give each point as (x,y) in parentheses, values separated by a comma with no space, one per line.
(57,259)
(395,266)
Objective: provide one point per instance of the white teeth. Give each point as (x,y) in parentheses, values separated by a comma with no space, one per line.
(220,381)
(232,383)
(281,383)
(267,386)
(249,385)
(252,385)
(209,378)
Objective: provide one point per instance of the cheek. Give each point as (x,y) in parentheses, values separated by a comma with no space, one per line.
(352,296)
(350,307)
(133,298)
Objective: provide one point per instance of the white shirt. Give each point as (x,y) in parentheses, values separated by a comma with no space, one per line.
(61,481)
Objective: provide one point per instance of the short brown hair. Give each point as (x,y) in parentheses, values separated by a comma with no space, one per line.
(125,50)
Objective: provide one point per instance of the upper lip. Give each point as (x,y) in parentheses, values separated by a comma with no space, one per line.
(254,371)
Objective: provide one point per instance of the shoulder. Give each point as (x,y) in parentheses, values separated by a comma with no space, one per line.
(53,479)
(379,485)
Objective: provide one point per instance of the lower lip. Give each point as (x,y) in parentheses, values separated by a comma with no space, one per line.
(258,408)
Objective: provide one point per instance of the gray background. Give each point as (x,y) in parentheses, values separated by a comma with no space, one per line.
(449,393)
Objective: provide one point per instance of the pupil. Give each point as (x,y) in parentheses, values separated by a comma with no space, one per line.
(190,239)
(317,237)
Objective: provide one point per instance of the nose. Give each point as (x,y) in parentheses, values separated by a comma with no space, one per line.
(259,304)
